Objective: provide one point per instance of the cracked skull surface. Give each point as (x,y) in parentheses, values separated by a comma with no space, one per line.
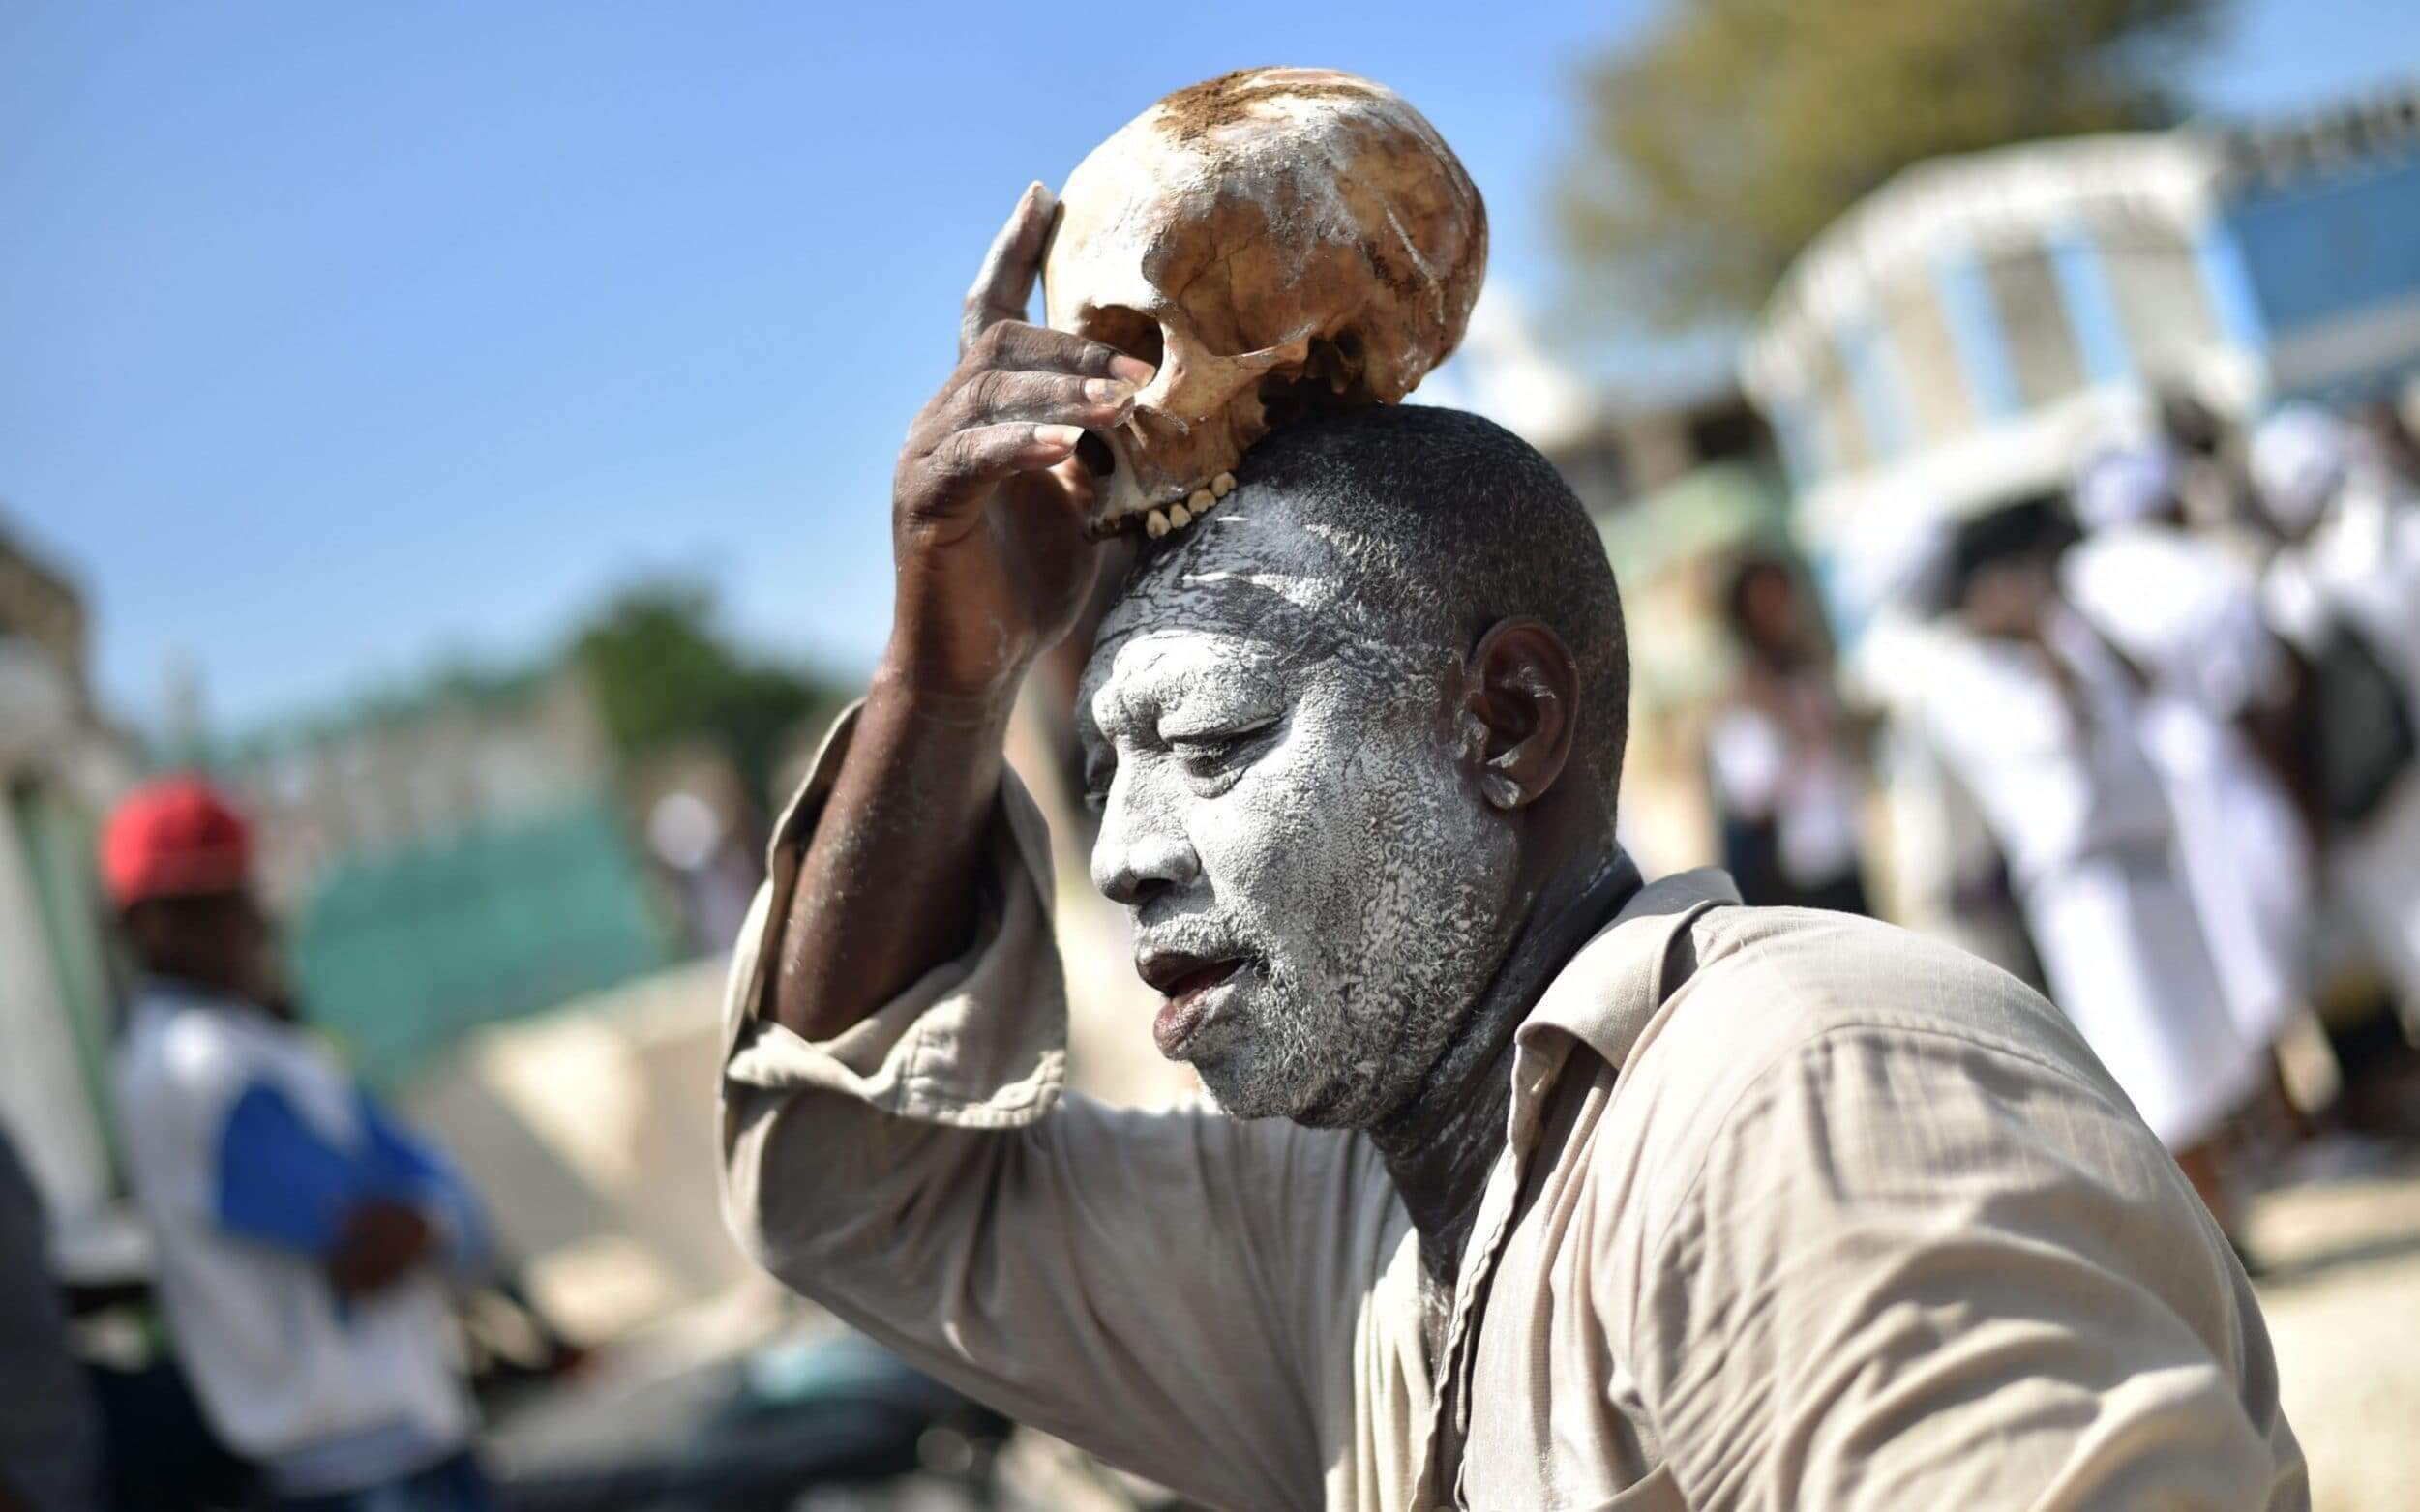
(1276,242)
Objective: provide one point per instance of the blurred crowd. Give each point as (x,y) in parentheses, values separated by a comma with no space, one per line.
(2174,708)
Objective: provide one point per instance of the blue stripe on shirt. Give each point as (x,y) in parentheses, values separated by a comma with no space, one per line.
(279,1182)
(411,1168)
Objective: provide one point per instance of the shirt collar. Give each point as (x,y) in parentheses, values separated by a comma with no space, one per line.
(1603,998)
(154,992)
(1605,994)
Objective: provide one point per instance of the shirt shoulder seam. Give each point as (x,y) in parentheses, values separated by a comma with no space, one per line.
(1785,1054)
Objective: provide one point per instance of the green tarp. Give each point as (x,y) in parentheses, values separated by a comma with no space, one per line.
(400,954)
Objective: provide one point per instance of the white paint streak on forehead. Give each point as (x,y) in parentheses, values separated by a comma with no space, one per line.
(1312,594)
(1172,683)
(1229,579)
(1344,541)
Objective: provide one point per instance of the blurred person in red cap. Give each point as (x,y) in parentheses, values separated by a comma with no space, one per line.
(177,860)
(305,1236)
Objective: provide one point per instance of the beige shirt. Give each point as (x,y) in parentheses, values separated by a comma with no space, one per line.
(1797,1210)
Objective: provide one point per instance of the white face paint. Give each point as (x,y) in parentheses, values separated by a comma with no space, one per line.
(1317,884)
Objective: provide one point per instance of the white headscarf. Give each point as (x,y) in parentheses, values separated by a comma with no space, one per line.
(2300,458)
(2123,485)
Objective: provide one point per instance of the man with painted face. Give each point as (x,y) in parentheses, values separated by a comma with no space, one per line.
(1531,1185)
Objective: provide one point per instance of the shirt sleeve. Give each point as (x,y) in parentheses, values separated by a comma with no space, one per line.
(279,1182)
(1918,1271)
(1150,1286)
(2245,665)
(406,1165)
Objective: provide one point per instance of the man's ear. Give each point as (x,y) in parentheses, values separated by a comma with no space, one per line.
(1521,686)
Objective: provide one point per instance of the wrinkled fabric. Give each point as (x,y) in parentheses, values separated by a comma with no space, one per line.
(1796,1210)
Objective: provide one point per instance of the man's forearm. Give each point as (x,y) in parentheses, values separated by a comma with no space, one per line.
(887,891)
(988,504)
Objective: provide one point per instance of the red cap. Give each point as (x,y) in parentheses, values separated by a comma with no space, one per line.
(174,837)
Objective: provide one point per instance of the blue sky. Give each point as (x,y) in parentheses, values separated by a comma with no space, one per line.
(337,339)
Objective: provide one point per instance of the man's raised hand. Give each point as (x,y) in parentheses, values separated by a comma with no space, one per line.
(987,530)
(989,499)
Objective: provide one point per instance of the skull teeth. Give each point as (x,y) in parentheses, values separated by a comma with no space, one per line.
(1177,514)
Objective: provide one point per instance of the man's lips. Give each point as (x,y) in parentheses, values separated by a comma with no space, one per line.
(1173,974)
(1186,981)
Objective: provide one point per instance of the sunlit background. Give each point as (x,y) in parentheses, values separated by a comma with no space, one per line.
(343,340)
(467,431)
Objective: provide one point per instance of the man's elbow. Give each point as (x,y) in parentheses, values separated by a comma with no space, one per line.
(834,1198)
(783,1200)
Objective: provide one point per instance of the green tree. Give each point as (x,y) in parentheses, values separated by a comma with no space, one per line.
(665,673)
(1720,143)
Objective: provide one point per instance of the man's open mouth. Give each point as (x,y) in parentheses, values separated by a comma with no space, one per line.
(1176,973)
(1187,983)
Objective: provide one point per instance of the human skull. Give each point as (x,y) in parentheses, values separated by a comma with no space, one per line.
(1276,242)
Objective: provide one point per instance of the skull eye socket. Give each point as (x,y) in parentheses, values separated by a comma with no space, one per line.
(1130,330)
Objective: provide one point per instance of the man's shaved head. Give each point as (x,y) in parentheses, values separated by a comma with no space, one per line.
(1431,526)
(1297,743)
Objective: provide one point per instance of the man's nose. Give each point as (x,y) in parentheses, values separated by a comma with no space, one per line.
(1138,856)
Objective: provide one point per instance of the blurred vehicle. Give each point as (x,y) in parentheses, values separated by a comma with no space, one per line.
(1961,339)
(1961,336)
(810,1424)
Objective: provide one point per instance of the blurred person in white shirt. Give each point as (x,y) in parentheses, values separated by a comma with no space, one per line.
(305,1236)
(1782,752)
(2344,588)
(2039,722)
(2183,617)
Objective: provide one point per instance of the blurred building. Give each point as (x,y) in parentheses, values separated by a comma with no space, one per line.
(1952,343)
(448,857)
(1612,447)
(394,770)
(59,763)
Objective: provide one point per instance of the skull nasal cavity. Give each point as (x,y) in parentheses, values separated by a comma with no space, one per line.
(1130,331)
(1333,379)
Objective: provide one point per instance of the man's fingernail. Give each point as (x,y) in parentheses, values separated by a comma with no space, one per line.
(1107,391)
(1059,437)
(1134,371)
